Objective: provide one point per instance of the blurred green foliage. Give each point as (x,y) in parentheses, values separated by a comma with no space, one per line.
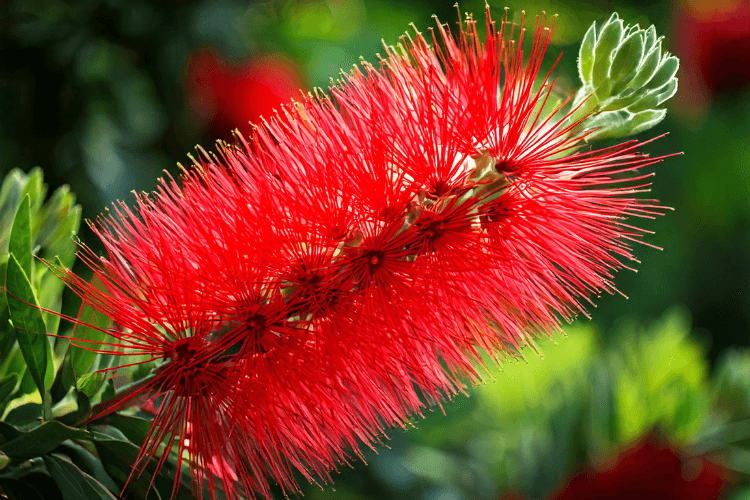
(540,419)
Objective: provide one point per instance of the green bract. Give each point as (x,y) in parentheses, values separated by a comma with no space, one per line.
(626,77)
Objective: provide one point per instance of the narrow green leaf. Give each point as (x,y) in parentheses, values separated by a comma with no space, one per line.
(667,71)
(29,326)
(586,55)
(7,337)
(83,360)
(73,482)
(42,440)
(91,465)
(649,66)
(35,188)
(10,197)
(27,385)
(20,236)
(606,45)
(650,38)
(626,60)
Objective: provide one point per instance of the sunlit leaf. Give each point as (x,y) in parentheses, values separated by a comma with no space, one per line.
(20,236)
(29,326)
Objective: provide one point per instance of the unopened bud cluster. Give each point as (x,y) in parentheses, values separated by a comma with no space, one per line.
(626,77)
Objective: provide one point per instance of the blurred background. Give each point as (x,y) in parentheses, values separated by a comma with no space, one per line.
(105,95)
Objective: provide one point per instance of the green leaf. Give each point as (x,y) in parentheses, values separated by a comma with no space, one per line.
(20,236)
(586,55)
(136,429)
(7,337)
(43,440)
(649,66)
(666,72)
(35,188)
(26,386)
(118,458)
(606,45)
(650,38)
(654,98)
(91,464)
(83,360)
(29,326)
(644,120)
(73,482)
(10,197)
(74,409)
(89,383)
(626,60)
(105,393)
(26,413)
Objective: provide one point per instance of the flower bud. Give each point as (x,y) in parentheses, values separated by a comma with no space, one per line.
(625,79)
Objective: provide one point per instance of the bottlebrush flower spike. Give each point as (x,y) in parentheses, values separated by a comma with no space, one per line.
(346,266)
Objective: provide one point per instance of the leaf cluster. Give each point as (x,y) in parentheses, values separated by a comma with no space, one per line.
(48,450)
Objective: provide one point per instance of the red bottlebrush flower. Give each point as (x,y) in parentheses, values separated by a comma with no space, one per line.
(227,96)
(343,268)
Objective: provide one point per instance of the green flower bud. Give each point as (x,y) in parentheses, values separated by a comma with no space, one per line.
(625,78)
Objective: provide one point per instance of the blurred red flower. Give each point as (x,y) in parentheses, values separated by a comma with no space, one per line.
(712,39)
(649,469)
(226,96)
